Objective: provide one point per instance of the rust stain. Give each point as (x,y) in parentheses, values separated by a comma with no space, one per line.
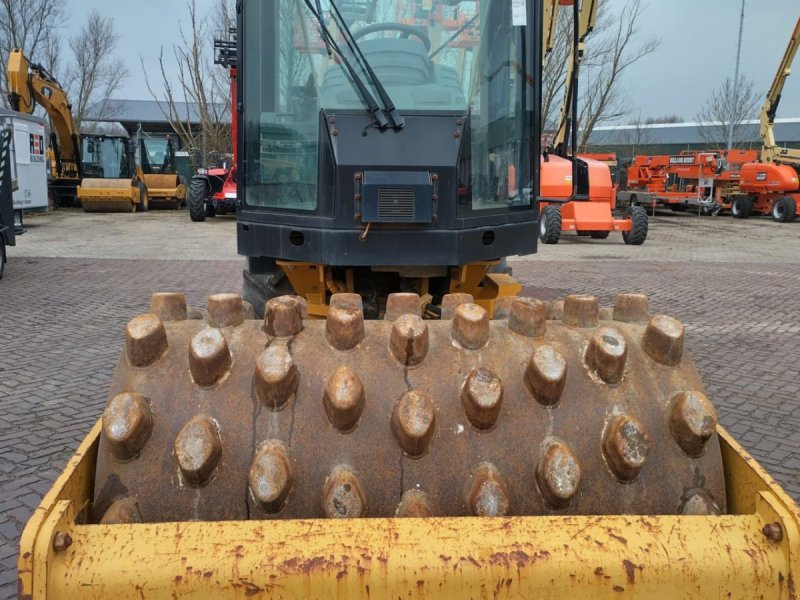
(599,571)
(790,586)
(618,588)
(619,538)
(208,574)
(630,570)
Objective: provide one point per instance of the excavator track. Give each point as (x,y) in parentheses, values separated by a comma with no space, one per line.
(561,408)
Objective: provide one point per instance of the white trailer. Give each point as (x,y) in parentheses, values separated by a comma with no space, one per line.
(30,153)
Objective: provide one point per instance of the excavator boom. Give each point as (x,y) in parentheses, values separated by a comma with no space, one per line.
(30,84)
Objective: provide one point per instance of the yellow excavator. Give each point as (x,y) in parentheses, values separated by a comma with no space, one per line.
(114,182)
(31,84)
(510,448)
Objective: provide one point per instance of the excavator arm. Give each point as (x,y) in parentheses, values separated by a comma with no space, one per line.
(30,84)
(771,152)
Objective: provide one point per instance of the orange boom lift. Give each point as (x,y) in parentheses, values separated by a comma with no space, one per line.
(771,185)
(577,190)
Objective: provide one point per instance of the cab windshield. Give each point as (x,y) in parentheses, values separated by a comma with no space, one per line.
(105,157)
(431,56)
(158,157)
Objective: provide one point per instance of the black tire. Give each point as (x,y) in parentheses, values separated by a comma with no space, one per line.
(257,288)
(2,256)
(599,235)
(638,232)
(144,198)
(550,224)
(784,210)
(198,192)
(741,207)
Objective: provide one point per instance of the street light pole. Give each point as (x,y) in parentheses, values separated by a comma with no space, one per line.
(735,99)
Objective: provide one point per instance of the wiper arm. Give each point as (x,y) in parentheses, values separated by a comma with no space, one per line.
(373,107)
(394,115)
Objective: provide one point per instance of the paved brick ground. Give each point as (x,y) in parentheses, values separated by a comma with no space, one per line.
(61,323)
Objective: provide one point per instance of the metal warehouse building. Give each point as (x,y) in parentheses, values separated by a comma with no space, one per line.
(670,138)
(148,114)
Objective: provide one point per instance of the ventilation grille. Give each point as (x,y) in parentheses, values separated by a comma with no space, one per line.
(396,203)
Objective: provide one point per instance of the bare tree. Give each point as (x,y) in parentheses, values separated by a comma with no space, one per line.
(610,51)
(94,74)
(715,115)
(611,48)
(196,107)
(637,135)
(32,25)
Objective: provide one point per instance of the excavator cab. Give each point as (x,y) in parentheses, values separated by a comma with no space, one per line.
(368,127)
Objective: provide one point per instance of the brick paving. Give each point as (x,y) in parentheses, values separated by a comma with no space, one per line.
(62,319)
(61,325)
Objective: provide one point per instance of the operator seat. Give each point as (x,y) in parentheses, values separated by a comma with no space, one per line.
(410,77)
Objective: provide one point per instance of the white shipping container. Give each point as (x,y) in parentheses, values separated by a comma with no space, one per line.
(30,150)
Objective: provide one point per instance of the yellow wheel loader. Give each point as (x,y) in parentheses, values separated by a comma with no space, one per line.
(112,181)
(344,446)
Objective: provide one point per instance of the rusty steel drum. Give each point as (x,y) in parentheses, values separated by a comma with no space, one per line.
(563,408)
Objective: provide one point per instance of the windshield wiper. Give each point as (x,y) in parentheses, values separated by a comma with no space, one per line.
(394,116)
(372,105)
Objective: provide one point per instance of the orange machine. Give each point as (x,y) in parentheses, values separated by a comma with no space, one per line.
(590,216)
(677,182)
(767,189)
(578,189)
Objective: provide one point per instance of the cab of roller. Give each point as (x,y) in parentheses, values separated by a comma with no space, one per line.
(451,185)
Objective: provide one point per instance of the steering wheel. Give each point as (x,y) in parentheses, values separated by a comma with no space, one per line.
(406,30)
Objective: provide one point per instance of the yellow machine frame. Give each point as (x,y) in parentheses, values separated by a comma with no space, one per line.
(315,282)
(753,552)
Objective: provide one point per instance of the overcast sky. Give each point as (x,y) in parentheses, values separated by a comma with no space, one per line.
(697,51)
